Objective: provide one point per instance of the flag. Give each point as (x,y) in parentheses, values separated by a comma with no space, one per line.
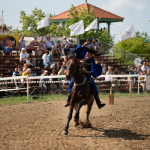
(1,19)
(44,22)
(93,25)
(127,34)
(77,28)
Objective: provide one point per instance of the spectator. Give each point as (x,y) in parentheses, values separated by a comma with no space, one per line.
(20,70)
(87,43)
(148,71)
(116,72)
(23,55)
(94,44)
(147,65)
(49,44)
(64,42)
(142,81)
(58,47)
(103,67)
(46,61)
(46,86)
(41,44)
(6,49)
(9,43)
(109,72)
(25,73)
(53,45)
(144,60)
(53,85)
(62,71)
(21,43)
(35,40)
(70,43)
(25,67)
(65,52)
(144,67)
(30,46)
(18,83)
(131,79)
(139,68)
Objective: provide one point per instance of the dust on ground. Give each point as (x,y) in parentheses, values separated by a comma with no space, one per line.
(122,126)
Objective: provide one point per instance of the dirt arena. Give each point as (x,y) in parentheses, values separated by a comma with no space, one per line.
(123,126)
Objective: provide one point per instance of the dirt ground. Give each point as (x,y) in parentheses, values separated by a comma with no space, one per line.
(122,126)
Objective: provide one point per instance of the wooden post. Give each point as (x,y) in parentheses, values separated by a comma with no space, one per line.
(111,97)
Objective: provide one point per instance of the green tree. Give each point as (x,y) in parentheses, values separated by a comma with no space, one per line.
(29,25)
(76,15)
(136,45)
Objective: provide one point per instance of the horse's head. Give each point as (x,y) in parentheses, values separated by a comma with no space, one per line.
(72,68)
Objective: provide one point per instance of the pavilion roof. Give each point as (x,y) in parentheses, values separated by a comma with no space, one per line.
(98,13)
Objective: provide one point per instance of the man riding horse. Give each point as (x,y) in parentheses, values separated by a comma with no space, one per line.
(89,69)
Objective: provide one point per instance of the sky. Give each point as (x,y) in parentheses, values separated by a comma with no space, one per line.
(135,12)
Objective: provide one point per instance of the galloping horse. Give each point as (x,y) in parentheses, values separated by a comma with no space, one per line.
(81,92)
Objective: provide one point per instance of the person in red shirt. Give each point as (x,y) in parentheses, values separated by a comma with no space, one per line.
(10,44)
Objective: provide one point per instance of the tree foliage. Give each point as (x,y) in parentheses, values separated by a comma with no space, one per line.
(136,45)
(76,15)
(29,25)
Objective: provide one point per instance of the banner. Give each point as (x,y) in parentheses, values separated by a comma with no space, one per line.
(1,20)
(93,25)
(77,28)
(44,22)
(127,34)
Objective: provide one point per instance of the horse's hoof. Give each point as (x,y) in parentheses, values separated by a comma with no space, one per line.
(65,132)
(76,125)
(76,118)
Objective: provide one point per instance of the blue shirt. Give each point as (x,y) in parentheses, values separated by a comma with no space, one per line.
(66,51)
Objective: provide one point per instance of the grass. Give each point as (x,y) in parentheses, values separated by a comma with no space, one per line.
(17,100)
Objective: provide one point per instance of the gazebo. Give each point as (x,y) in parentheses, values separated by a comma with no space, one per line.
(105,16)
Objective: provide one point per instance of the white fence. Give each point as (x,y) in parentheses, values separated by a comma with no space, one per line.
(61,76)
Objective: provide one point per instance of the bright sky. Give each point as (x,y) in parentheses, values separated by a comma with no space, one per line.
(135,12)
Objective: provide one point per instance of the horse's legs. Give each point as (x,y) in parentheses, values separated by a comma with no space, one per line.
(69,118)
(76,117)
(89,109)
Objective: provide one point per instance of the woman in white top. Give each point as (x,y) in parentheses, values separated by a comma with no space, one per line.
(23,55)
(109,72)
(46,61)
(103,67)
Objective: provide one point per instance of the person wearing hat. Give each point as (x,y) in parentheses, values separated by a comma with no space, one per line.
(89,69)
(64,42)
(58,46)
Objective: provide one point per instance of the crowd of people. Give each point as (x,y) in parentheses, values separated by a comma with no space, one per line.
(47,49)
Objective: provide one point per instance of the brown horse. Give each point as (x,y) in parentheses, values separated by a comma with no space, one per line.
(81,92)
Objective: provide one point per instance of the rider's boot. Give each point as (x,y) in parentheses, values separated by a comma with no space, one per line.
(68,100)
(98,102)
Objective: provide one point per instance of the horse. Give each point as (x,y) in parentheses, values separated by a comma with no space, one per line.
(81,92)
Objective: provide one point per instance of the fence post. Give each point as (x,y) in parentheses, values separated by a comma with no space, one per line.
(42,88)
(116,86)
(27,88)
(138,86)
(12,87)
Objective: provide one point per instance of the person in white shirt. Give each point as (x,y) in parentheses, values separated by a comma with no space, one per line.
(48,44)
(46,61)
(144,68)
(23,55)
(109,72)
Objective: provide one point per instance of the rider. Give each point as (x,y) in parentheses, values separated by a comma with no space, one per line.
(89,68)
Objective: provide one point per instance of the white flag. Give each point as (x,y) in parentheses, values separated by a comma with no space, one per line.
(127,34)
(1,20)
(44,22)
(93,25)
(77,28)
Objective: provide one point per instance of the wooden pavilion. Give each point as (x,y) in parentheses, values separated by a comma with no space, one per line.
(105,16)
